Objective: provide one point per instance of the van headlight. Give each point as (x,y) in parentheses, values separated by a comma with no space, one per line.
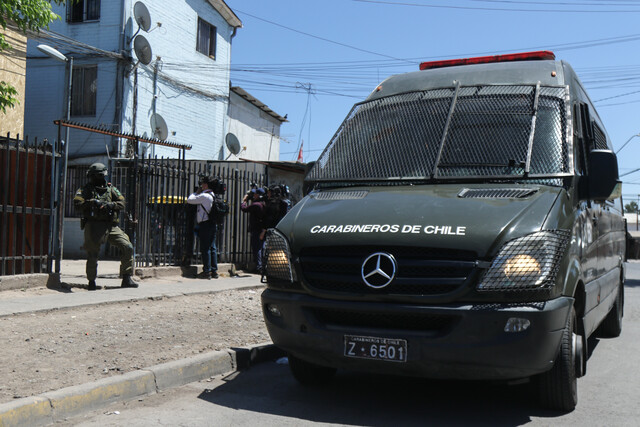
(277,259)
(528,262)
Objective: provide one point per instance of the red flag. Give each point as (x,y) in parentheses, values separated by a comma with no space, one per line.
(300,153)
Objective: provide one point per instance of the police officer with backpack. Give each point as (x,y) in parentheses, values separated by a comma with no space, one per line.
(204,197)
(100,203)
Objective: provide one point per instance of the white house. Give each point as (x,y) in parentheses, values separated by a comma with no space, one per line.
(169,66)
(256,126)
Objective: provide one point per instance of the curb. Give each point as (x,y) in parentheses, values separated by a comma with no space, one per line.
(59,405)
(34,280)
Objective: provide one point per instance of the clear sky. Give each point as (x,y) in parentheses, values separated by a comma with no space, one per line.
(313,59)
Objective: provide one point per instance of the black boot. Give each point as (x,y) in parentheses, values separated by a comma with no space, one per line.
(92,285)
(127,282)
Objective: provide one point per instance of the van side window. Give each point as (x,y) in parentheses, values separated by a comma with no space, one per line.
(586,127)
(581,157)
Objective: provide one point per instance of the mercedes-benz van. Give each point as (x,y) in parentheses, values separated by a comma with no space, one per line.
(465,222)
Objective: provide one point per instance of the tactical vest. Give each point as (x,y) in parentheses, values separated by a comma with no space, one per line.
(110,194)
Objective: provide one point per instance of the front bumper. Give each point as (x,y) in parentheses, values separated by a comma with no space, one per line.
(443,341)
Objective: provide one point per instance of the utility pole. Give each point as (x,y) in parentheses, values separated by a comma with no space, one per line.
(308,87)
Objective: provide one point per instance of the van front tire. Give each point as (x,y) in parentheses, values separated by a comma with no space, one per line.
(308,373)
(558,388)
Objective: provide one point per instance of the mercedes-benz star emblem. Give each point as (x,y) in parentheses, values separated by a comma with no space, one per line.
(378,270)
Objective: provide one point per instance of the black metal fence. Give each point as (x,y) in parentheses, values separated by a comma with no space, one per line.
(28,214)
(158,220)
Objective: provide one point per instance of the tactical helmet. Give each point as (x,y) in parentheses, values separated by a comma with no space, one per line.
(97,169)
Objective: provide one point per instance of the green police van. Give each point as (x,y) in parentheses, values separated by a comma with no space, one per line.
(465,222)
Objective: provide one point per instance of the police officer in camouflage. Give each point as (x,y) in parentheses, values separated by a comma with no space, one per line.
(100,203)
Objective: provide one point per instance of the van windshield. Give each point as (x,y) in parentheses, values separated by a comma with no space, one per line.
(452,133)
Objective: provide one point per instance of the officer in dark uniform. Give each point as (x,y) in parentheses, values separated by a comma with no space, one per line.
(100,203)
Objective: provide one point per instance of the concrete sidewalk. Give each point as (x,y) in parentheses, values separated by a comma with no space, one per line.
(70,291)
(155,282)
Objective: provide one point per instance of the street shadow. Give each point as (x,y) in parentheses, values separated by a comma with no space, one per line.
(54,283)
(632,283)
(63,288)
(376,400)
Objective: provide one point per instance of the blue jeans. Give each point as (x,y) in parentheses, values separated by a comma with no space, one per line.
(207,235)
(257,246)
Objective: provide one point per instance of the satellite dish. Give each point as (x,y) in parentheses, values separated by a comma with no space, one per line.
(232,143)
(141,13)
(142,49)
(159,127)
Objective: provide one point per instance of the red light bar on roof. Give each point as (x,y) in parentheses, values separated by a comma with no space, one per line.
(524,56)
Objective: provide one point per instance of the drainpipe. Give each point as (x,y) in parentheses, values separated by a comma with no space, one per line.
(227,118)
(120,80)
(155,98)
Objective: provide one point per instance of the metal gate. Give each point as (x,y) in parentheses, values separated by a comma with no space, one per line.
(30,176)
(161,224)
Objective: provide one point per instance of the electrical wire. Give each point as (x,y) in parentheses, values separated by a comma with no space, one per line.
(496,9)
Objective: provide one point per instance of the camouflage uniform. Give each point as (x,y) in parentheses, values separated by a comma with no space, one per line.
(100,205)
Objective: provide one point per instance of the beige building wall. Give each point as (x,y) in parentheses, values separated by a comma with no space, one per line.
(13,65)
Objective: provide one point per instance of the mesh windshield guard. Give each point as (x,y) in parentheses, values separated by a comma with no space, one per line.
(460,132)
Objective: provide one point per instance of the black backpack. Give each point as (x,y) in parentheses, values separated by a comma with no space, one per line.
(219,209)
(275,210)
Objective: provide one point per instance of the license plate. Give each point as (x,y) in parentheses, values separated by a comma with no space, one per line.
(387,349)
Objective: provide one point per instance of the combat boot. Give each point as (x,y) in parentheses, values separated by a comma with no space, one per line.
(92,285)
(127,282)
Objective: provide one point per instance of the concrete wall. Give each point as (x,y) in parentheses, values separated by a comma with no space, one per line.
(256,130)
(191,90)
(294,180)
(12,71)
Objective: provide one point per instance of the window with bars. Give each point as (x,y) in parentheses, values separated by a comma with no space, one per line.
(599,138)
(83,10)
(478,131)
(83,90)
(206,41)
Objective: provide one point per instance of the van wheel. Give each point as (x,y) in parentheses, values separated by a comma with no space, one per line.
(308,373)
(611,326)
(558,388)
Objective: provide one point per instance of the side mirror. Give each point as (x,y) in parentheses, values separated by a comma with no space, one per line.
(603,174)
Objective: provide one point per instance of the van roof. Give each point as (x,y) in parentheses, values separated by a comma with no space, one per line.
(547,72)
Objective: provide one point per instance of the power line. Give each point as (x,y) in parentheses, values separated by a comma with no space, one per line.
(496,9)
(318,37)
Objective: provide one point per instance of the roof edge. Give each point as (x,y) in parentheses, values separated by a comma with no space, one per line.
(226,12)
(252,100)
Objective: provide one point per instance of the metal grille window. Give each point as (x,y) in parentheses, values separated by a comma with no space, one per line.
(478,131)
(206,42)
(600,138)
(83,10)
(83,90)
